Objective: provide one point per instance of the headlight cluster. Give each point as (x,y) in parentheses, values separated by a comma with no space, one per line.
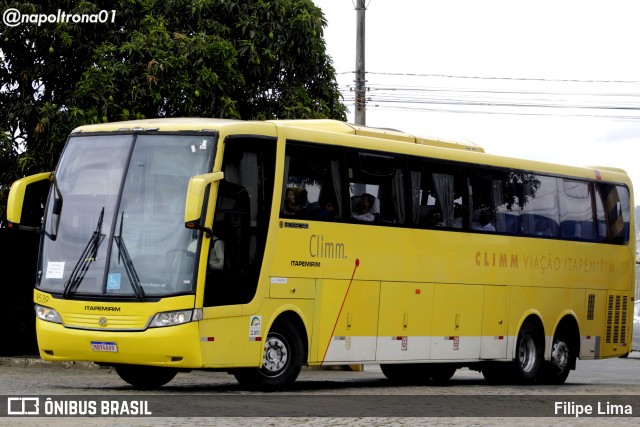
(172,318)
(168,318)
(48,314)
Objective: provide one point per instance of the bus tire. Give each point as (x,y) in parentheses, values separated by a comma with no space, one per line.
(145,377)
(281,363)
(439,373)
(497,372)
(418,373)
(529,354)
(400,373)
(563,358)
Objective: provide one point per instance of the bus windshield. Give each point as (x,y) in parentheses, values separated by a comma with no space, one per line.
(114,225)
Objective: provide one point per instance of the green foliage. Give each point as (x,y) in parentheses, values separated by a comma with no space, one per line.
(244,59)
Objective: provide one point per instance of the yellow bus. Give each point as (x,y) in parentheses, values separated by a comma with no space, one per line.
(257,248)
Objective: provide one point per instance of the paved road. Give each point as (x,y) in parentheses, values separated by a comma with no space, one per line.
(466,394)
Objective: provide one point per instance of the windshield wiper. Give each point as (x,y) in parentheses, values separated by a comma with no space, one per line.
(89,254)
(123,255)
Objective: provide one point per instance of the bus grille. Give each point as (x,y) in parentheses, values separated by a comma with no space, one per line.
(111,322)
(616,319)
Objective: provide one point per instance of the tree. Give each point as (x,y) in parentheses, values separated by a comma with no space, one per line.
(243,59)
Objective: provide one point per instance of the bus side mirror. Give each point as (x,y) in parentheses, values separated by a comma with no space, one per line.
(195,204)
(25,206)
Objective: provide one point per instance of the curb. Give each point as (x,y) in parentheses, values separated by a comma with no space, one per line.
(31,361)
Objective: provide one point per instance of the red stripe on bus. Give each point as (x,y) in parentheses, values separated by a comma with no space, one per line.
(341,307)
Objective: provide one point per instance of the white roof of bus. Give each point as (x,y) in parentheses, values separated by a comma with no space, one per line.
(184,123)
(392,134)
(166,124)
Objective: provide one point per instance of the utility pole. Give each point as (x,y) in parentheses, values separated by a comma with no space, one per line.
(361,90)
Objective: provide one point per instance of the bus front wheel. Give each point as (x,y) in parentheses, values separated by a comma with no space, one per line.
(145,377)
(281,363)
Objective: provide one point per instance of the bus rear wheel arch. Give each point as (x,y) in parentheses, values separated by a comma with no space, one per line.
(526,365)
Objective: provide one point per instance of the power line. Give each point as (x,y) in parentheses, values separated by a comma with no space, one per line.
(571,100)
(398,88)
(509,113)
(532,79)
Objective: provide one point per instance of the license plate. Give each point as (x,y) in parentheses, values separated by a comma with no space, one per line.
(104,346)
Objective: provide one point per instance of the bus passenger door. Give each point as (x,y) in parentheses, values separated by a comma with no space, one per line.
(241,221)
(235,252)
(493,343)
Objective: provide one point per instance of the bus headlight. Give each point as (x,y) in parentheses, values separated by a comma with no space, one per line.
(172,318)
(48,314)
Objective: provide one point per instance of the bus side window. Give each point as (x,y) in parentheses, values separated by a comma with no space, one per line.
(379,179)
(482,201)
(437,196)
(612,203)
(576,211)
(312,185)
(504,190)
(365,207)
(539,204)
(295,201)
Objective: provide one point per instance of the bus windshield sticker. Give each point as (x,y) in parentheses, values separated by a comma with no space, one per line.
(55,270)
(113,281)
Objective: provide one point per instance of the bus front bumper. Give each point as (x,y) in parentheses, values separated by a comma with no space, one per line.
(174,346)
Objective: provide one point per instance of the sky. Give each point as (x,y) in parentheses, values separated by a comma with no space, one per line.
(557,81)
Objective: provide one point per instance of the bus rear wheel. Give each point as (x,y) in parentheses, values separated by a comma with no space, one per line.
(528,354)
(281,363)
(145,377)
(556,370)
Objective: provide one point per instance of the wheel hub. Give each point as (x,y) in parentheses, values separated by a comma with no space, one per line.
(275,355)
(560,355)
(527,354)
